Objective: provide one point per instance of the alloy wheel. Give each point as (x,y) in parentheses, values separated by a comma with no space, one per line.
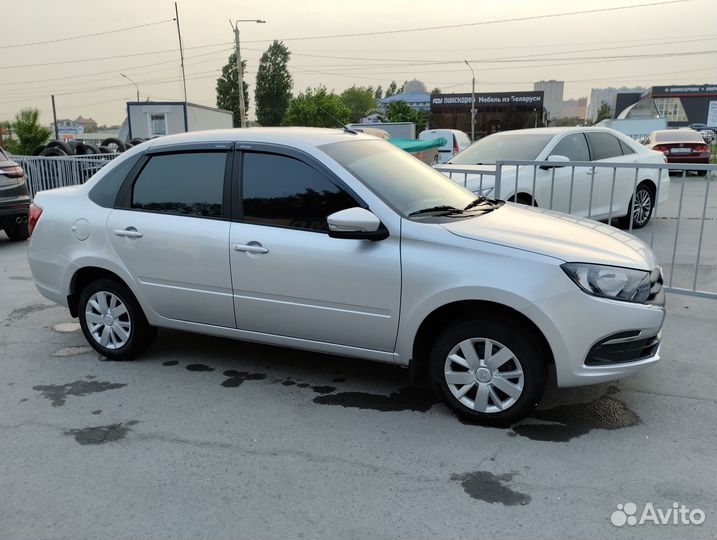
(642,207)
(108,320)
(484,375)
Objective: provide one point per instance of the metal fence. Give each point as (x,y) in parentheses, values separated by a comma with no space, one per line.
(681,229)
(52,172)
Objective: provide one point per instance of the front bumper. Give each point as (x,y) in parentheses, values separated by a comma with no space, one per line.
(583,332)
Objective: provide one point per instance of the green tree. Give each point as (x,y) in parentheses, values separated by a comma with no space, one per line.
(273,85)
(378,94)
(309,108)
(392,89)
(400,111)
(604,111)
(360,100)
(435,91)
(28,131)
(228,89)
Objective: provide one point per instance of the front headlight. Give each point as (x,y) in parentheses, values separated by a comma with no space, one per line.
(610,281)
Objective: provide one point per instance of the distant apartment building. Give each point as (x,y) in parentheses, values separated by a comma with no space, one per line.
(598,96)
(574,108)
(552,96)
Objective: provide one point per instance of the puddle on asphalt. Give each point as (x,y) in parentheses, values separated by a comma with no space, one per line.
(236,378)
(101,434)
(404,399)
(491,488)
(19,313)
(170,363)
(66,327)
(199,367)
(570,421)
(57,393)
(71,351)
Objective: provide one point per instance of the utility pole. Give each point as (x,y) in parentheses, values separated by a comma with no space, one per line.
(240,73)
(54,117)
(473,103)
(134,83)
(181,53)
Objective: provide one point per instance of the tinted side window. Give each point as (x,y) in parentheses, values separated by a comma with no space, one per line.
(282,191)
(604,146)
(105,191)
(573,147)
(626,150)
(190,184)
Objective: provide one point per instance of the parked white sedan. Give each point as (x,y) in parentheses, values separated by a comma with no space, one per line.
(580,190)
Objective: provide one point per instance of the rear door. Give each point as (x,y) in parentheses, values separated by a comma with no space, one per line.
(290,278)
(170,228)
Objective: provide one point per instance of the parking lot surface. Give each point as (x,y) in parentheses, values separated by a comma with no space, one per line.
(210,438)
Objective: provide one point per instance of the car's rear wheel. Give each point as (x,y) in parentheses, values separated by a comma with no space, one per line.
(113,321)
(17,232)
(642,206)
(488,371)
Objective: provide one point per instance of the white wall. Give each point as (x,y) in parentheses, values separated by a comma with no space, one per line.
(139,115)
(201,118)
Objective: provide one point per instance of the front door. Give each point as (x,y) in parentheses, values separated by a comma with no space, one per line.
(290,278)
(173,237)
(569,189)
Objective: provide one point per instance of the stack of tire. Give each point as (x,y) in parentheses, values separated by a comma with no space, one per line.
(110,145)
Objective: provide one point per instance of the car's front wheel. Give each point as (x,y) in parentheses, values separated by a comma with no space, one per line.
(113,321)
(488,371)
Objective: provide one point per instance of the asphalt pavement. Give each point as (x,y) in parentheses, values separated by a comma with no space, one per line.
(211,438)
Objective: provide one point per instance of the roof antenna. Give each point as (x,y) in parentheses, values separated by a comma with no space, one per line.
(339,122)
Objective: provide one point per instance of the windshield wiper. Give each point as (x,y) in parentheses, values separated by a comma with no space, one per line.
(476,202)
(443,208)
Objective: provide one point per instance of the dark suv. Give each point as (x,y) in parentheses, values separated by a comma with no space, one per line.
(14,199)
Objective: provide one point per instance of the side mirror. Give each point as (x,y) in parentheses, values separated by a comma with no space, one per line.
(356,224)
(557,159)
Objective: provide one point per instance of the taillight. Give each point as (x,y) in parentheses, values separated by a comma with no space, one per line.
(702,148)
(455,148)
(12,171)
(659,148)
(33,215)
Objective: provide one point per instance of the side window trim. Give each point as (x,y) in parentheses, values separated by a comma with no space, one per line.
(592,152)
(124,195)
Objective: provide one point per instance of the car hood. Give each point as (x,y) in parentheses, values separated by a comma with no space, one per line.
(565,237)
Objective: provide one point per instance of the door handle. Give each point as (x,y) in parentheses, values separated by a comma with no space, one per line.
(129,232)
(252,247)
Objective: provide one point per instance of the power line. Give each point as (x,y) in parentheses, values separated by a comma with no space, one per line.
(480,23)
(86,35)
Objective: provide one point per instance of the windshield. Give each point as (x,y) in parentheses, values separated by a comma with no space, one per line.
(678,135)
(499,146)
(405,183)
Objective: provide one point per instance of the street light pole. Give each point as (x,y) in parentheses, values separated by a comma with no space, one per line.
(134,83)
(237,52)
(473,103)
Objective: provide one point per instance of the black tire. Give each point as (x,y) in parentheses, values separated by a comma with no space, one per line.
(36,151)
(91,149)
(112,141)
(141,333)
(644,191)
(701,173)
(127,146)
(53,151)
(136,141)
(62,145)
(17,232)
(80,148)
(504,334)
(104,149)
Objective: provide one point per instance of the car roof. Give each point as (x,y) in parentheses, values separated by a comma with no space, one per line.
(560,130)
(279,135)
